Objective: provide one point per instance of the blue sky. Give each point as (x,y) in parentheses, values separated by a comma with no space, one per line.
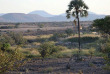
(51,6)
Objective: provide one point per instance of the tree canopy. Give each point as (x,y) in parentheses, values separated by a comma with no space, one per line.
(103,24)
(77,7)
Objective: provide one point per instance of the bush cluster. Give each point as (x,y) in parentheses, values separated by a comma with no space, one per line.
(18,38)
(12,38)
(48,48)
(10,60)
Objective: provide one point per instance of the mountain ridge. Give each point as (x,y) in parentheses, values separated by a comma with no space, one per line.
(42,13)
(35,17)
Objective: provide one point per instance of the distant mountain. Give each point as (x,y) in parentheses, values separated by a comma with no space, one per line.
(21,17)
(2,14)
(2,20)
(92,17)
(62,17)
(42,13)
(42,16)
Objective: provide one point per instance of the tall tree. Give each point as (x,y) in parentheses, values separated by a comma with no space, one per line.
(77,8)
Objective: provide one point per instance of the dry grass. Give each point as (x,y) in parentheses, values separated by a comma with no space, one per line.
(45,36)
(35,37)
(70,52)
(90,35)
(85,35)
(26,51)
(30,37)
(34,52)
(36,43)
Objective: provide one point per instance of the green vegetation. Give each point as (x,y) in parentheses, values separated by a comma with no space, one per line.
(53,45)
(83,39)
(37,42)
(5,47)
(6,39)
(69,32)
(106,49)
(18,38)
(47,49)
(10,60)
(102,25)
(91,51)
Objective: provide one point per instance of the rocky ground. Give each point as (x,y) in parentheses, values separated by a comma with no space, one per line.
(58,66)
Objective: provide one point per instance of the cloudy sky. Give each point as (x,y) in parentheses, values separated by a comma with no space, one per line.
(51,6)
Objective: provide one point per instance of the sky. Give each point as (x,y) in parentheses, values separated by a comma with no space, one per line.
(51,6)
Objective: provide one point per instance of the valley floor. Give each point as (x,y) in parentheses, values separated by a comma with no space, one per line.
(58,66)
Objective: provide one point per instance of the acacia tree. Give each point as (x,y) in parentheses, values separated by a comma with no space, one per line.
(77,8)
(102,25)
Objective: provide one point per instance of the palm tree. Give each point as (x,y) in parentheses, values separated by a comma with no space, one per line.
(77,8)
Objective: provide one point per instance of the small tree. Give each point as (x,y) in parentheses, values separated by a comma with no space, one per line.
(18,37)
(69,31)
(5,38)
(47,49)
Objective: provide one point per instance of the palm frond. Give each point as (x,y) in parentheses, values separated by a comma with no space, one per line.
(77,5)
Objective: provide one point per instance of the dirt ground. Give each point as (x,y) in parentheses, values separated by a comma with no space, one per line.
(58,66)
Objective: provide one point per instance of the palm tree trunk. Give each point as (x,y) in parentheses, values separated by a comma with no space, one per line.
(78,57)
(79,35)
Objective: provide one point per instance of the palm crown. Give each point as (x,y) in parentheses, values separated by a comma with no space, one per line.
(77,7)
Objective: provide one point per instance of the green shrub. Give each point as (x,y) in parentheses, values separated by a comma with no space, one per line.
(69,32)
(10,61)
(106,50)
(7,39)
(18,37)
(5,46)
(12,38)
(47,49)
